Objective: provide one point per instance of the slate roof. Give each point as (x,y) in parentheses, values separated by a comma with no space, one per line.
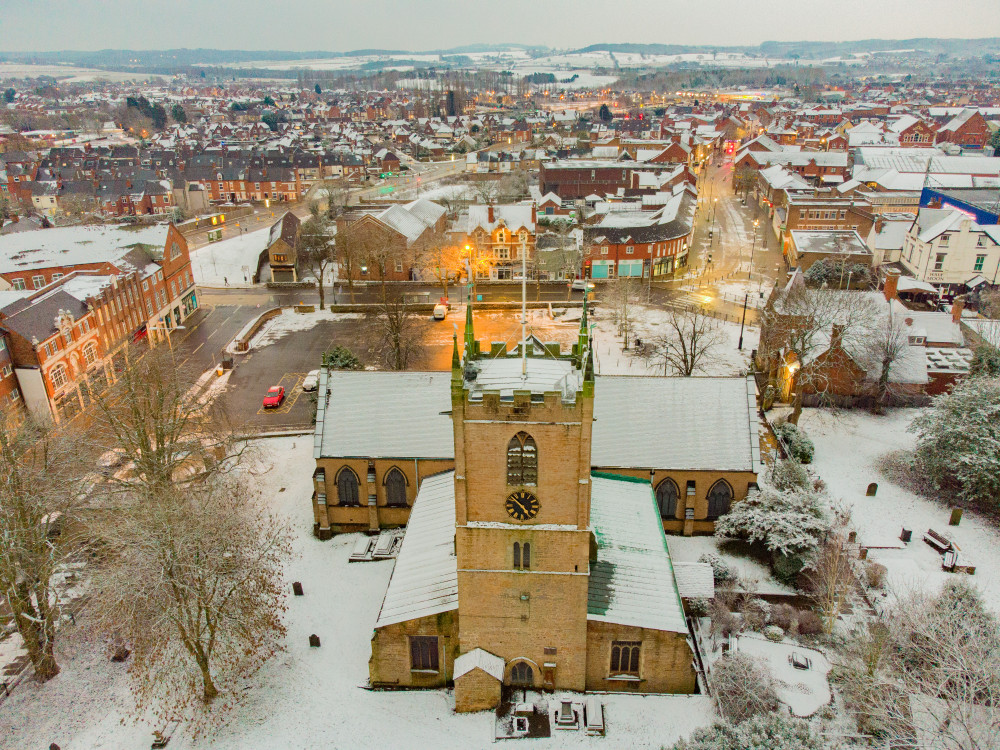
(632,581)
(35,319)
(68,246)
(408,415)
(424,578)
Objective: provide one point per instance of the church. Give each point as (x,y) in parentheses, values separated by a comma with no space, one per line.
(522,564)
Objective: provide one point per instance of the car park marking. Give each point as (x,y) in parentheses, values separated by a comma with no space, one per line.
(293,389)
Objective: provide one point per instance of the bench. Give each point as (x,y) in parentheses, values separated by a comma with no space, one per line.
(939,542)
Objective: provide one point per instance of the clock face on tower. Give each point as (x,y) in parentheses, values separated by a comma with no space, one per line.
(522,505)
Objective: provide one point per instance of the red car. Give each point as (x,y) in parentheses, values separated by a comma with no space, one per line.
(275,396)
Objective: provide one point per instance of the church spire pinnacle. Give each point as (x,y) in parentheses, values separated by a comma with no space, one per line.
(470,336)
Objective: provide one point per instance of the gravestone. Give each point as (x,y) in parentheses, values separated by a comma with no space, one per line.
(314,641)
(297,588)
(872,489)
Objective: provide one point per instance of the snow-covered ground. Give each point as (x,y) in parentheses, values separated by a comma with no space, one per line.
(723,359)
(754,575)
(231,262)
(290,322)
(307,697)
(804,691)
(849,447)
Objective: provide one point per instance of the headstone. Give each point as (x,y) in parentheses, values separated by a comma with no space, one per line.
(314,641)
(956,517)
(297,588)
(852,537)
(872,489)
(906,535)
(863,553)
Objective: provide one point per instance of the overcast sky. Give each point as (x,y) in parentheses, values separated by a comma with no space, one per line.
(341,25)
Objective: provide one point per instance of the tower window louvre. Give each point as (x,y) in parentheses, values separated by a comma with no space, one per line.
(522,460)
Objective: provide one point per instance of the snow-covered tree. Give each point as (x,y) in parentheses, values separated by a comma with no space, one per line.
(787,522)
(686,343)
(773,731)
(958,444)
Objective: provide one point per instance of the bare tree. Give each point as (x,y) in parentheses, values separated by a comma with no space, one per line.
(337,196)
(886,343)
(488,191)
(317,249)
(444,261)
(743,687)
(928,672)
(41,494)
(831,579)
(395,330)
(798,325)
(162,428)
(686,344)
(191,581)
(622,296)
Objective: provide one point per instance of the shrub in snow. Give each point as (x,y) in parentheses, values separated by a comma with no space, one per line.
(774,633)
(787,475)
(809,622)
(958,444)
(796,442)
(721,572)
(342,358)
(697,607)
(784,616)
(724,622)
(772,732)
(756,613)
(786,568)
(743,687)
(875,575)
(786,523)
(985,361)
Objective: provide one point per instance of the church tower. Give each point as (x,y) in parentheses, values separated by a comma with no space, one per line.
(523,542)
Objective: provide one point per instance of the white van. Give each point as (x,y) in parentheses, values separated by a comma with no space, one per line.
(440,312)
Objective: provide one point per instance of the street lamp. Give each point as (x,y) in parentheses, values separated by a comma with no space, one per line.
(715,207)
(753,247)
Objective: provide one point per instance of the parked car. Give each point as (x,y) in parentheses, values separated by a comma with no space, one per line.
(275,397)
(311,381)
(440,312)
(582,285)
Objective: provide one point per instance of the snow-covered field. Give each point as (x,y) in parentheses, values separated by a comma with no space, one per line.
(290,322)
(849,446)
(803,691)
(310,698)
(231,262)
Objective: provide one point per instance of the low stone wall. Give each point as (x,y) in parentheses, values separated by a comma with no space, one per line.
(290,285)
(424,307)
(242,343)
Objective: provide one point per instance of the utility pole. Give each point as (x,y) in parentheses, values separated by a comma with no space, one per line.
(746,299)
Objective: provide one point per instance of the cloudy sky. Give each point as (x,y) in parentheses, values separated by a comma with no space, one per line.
(340,25)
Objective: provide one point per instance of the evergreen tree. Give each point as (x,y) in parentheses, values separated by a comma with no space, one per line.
(605,113)
(8,95)
(318,89)
(179,114)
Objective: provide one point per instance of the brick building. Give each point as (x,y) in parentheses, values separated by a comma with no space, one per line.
(572,178)
(498,235)
(387,243)
(968,129)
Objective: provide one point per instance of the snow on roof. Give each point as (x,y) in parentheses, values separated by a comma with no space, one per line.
(513,216)
(424,578)
(632,581)
(949,359)
(83,287)
(398,414)
(9,296)
(695,580)
(479,659)
(542,375)
(909,284)
(721,413)
(68,246)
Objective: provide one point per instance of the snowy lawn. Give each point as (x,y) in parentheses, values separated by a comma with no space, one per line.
(804,691)
(755,575)
(309,698)
(849,446)
(722,359)
(290,322)
(231,262)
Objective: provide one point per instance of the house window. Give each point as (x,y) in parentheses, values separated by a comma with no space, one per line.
(943,242)
(38,281)
(625,657)
(15,396)
(56,276)
(666,498)
(347,487)
(17,283)
(58,376)
(981,241)
(980,260)
(424,653)
(939,261)
(522,556)
(90,353)
(399,266)
(629,250)
(604,251)
(720,497)
(522,460)
(6,372)
(395,488)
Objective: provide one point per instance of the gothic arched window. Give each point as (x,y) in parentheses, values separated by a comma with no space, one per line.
(347,487)
(720,498)
(395,487)
(666,498)
(522,460)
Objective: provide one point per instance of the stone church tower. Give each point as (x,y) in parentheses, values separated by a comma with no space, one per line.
(523,542)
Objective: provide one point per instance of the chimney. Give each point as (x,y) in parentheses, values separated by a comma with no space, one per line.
(836,335)
(891,283)
(489,213)
(879,225)
(956,310)
(534,212)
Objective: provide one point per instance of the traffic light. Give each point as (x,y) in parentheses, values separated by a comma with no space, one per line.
(709,258)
